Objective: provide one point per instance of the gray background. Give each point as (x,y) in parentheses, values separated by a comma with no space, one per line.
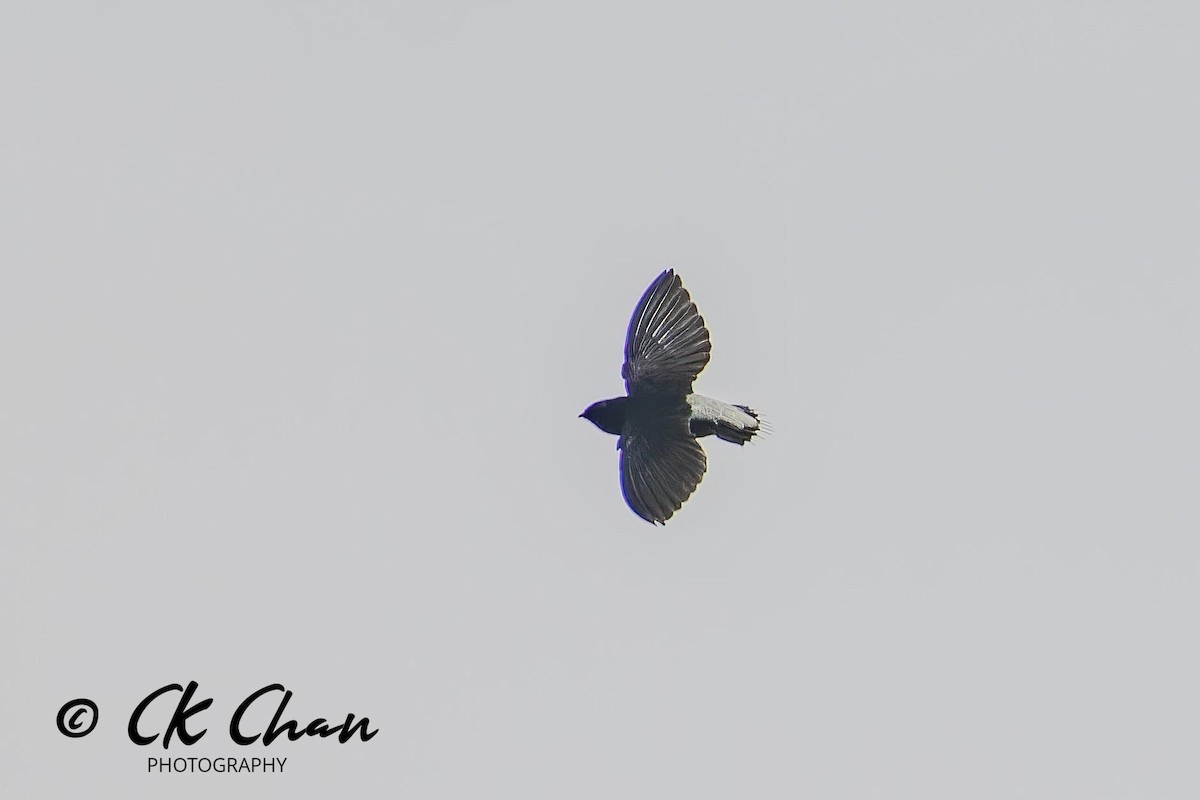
(301,300)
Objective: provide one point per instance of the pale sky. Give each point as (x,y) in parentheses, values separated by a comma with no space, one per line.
(302,301)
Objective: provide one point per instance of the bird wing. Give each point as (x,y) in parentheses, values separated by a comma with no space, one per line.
(661,465)
(667,344)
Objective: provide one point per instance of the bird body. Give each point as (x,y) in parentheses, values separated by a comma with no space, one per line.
(660,419)
(706,416)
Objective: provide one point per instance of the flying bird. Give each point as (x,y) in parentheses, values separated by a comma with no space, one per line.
(660,419)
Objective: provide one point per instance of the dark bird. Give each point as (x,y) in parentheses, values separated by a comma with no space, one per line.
(658,423)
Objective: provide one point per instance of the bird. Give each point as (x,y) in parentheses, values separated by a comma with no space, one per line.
(660,419)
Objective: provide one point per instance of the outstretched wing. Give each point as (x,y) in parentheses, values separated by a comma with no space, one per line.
(667,344)
(661,465)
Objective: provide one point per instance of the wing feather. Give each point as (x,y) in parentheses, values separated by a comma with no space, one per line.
(667,344)
(661,465)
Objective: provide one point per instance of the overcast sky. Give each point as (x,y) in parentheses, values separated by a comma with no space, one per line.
(301,302)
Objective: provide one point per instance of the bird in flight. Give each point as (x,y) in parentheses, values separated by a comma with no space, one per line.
(660,419)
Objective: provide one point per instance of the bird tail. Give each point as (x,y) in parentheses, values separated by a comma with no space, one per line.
(728,422)
(739,431)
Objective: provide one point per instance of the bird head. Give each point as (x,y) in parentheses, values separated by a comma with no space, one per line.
(607,415)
